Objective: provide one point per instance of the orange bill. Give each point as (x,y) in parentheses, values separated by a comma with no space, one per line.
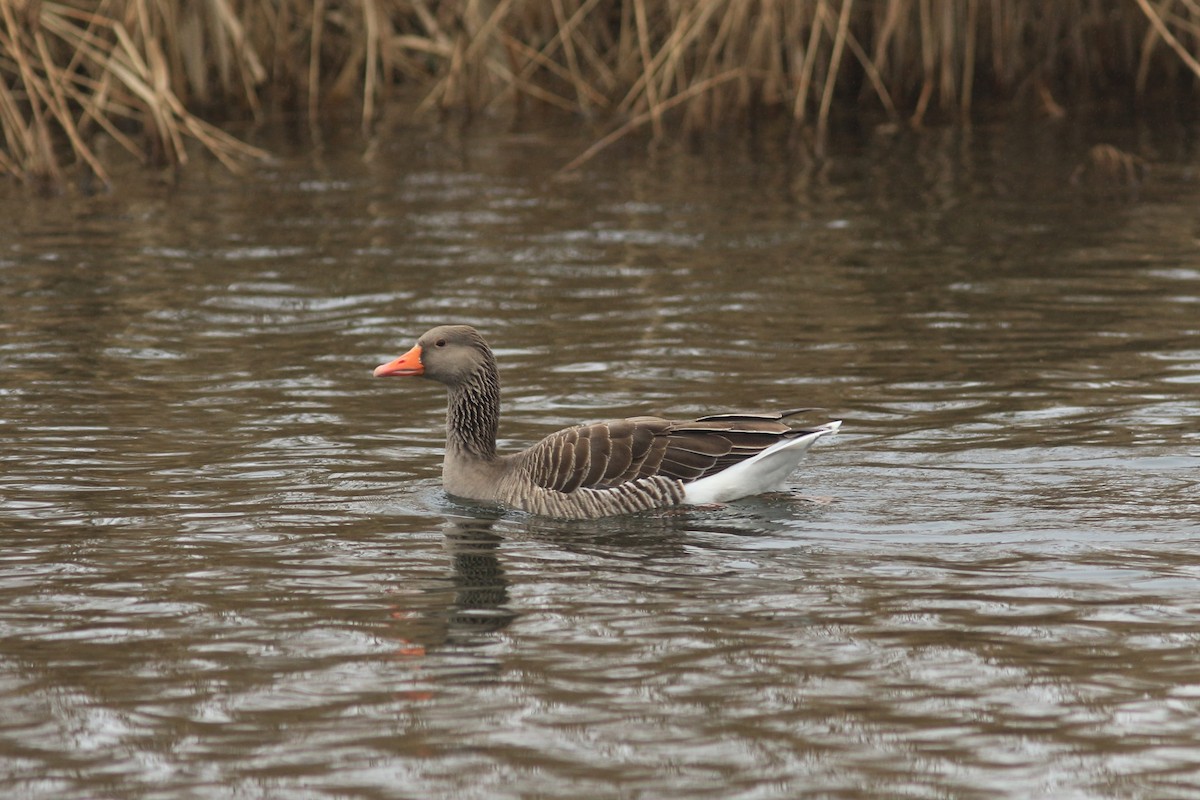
(407,364)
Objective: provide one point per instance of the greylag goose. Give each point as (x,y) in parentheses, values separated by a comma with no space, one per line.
(602,469)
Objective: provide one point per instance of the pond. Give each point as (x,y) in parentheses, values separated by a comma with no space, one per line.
(229,569)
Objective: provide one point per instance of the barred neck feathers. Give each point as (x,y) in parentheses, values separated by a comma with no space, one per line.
(473,413)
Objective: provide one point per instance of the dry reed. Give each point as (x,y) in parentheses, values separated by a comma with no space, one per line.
(140,72)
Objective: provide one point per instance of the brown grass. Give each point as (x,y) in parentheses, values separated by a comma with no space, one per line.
(142,72)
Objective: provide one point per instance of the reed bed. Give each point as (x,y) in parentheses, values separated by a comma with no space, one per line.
(149,74)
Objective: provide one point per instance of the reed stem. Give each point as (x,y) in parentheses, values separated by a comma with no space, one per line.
(142,73)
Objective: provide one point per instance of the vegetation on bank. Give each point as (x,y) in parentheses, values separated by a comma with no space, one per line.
(77,76)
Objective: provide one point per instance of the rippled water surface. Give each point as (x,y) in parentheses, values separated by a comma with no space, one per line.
(228,568)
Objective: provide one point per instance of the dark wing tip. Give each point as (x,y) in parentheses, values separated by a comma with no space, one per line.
(747,416)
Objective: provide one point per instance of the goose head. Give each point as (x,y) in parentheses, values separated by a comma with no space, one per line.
(449,354)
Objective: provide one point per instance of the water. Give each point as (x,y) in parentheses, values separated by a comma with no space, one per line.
(228,569)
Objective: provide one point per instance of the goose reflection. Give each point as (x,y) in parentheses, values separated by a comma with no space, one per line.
(452,638)
(481,588)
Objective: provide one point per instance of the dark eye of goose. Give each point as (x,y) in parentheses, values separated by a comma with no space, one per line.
(440,343)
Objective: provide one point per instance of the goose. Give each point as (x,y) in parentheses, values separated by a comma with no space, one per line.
(601,469)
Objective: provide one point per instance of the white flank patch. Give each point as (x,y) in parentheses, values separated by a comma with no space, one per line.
(765,472)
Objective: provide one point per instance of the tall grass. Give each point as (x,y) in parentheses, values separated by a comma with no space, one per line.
(146,73)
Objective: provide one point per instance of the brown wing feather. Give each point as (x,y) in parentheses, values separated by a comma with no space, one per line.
(774,416)
(646,438)
(599,455)
(729,438)
(607,454)
(690,454)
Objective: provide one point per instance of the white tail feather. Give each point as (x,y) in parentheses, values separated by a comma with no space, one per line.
(764,472)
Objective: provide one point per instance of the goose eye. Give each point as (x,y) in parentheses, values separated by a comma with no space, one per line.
(440,343)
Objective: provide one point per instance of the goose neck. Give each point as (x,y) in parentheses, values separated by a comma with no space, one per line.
(473,416)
